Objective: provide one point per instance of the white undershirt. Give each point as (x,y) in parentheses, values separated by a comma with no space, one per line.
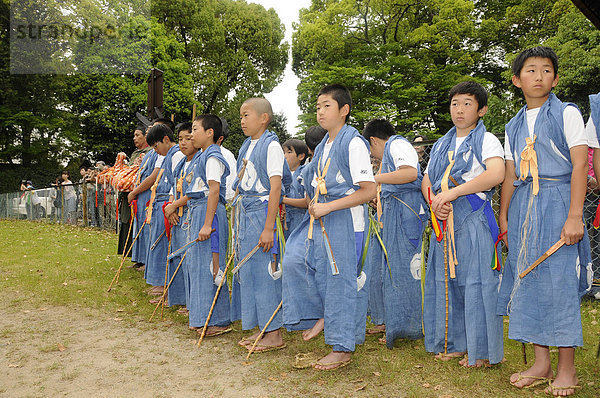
(275,159)
(214,171)
(159,161)
(590,132)
(574,127)
(230,158)
(360,170)
(403,154)
(490,148)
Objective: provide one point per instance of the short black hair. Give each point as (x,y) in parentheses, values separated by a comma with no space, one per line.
(157,133)
(313,136)
(340,94)
(225,125)
(185,126)
(166,121)
(141,128)
(471,88)
(379,128)
(534,52)
(298,146)
(211,122)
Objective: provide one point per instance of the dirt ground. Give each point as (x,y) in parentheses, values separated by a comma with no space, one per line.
(50,352)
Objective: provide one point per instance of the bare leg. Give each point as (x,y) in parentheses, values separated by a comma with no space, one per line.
(376,329)
(542,367)
(314,331)
(215,262)
(566,374)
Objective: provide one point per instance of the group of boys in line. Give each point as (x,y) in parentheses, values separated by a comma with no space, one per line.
(310,261)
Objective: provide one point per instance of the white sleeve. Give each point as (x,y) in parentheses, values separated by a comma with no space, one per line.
(159,162)
(507,151)
(403,154)
(491,147)
(177,156)
(360,162)
(574,126)
(214,169)
(275,160)
(590,131)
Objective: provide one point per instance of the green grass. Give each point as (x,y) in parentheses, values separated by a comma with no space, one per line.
(46,265)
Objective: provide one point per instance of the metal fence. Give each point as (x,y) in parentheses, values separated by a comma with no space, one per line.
(82,204)
(91,205)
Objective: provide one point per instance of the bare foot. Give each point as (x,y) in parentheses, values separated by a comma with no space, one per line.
(376,329)
(269,341)
(334,360)
(382,340)
(563,386)
(479,363)
(531,376)
(314,331)
(449,356)
(215,330)
(248,340)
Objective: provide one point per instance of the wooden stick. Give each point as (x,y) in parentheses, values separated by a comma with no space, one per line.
(446,284)
(212,307)
(524,354)
(116,277)
(158,240)
(182,248)
(167,287)
(245,259)
(263,330)
(128,236)
(166,276)
(544,256)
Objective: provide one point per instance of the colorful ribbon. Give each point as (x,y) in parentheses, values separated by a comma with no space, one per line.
(497,260)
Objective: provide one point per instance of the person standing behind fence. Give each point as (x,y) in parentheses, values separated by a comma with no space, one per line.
(69,215)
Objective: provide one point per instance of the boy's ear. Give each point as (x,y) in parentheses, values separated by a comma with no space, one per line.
(265,119)
(301,156)
(516,81)
(345,110)
(555,82)
(482,111)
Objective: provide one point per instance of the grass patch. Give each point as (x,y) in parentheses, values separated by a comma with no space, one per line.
(43,266)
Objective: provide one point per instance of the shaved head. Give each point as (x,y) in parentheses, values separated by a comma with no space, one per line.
(260,106)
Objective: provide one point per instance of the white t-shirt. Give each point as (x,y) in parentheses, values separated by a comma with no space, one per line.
(575,133)
(177,156)
(159,161)
(360,170)
(214,171)
(230,158)
(275,159)
(490,148)
(404,154)
(590,132)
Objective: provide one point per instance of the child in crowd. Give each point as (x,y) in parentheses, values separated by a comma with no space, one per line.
(313,137)
(403,216)
(160,138)
(231,162)
(542,203)
(263,174)
(320,279)
(461,288)
(295,152)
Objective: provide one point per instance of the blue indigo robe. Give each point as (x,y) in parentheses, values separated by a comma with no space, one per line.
(140,246)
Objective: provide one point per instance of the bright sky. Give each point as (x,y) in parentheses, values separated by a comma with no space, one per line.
(284,97)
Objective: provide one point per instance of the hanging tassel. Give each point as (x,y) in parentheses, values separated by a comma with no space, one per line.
(497,260)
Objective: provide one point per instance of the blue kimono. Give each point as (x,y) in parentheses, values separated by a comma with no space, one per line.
(294,215)
(473,325)
(140,246)
(375,257)
(202,286)
(544,305)
(311,290)
(256,291)
(158,244)
(180,233)
(403,223)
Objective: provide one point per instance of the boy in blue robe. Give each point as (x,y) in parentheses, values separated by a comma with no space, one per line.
(541,203)
(403,216)
(320,274)
(296,153)
(264,173)
(161,139)
(461,288)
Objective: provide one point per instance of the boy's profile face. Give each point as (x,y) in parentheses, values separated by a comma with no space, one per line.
(293,160)
(200,137)
(537,77)
(251,121)
(185,142)
(464,112)
(377,146)
(162,147)
(329,114)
